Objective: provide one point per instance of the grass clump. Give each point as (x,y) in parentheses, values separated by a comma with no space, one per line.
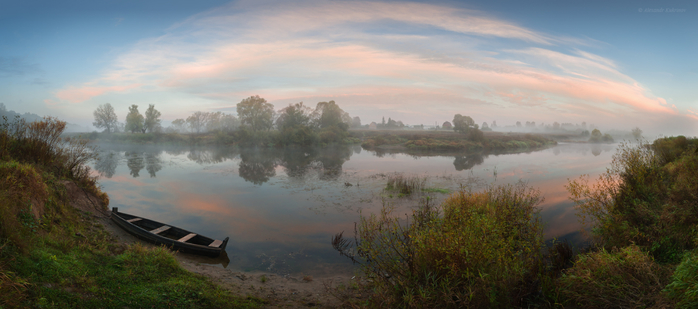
(478,249)
(405,185)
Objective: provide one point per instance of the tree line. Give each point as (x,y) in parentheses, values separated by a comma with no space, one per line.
(297,122)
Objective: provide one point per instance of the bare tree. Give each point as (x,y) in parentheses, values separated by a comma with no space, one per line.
(105,117)
(197,121)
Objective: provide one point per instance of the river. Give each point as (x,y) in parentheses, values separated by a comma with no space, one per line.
(280,207)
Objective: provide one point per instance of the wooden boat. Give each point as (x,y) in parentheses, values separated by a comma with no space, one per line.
(170,236)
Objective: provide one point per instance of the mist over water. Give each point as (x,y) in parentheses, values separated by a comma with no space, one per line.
(280,207)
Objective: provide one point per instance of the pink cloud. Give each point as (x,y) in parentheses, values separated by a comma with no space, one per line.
(84,93)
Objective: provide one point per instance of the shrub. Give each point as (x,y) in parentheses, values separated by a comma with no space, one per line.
(625,278)
(641,200)
(484,251)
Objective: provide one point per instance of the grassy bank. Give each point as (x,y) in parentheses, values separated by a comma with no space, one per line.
(53,255)
(486,250)
(420,141)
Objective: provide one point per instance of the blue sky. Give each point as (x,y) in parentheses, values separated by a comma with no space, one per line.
(617,65)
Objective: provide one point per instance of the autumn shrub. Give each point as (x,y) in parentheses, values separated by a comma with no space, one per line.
(643,200)
(478,249)
(621,278)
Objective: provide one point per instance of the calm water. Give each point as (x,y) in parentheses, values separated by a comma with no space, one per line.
(280,208)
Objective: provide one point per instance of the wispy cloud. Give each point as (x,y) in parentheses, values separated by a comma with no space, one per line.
(368,51)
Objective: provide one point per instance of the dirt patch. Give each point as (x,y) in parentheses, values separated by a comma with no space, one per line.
(281,291)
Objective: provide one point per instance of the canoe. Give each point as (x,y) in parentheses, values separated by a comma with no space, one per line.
(170,236)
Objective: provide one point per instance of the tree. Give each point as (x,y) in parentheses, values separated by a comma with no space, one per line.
(328,114)
(637,133)
(556,125)
(356,122)
(152,119)
(179,125)
(197,121)
(229,123)
(214,122)
(134,120)
(293,116)
(105,117)
(256,113)
(463,124)
(518,124)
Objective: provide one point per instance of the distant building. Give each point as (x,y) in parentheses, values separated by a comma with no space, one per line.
(373,126)
(447,125)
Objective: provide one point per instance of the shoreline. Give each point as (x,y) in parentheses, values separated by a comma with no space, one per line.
(287,291)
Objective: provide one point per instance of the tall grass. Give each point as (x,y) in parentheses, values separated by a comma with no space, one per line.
(478,249)
(405,185)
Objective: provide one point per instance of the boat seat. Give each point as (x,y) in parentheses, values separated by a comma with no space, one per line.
(134,220)
(216,243)
(188,237)
(160,229)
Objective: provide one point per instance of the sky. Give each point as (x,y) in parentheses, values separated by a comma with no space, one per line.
(614,64)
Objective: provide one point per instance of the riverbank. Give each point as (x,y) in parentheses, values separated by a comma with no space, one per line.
(54,252)
(448,141)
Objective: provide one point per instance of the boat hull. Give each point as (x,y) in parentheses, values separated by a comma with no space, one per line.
(121,219)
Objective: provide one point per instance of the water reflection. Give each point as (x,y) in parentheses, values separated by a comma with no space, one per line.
(280,207)
(257,166)
(135,163)
(106,163)
(469,161)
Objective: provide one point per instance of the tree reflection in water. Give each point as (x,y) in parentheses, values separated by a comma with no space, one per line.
(468,161)
(153,163)
(134,161)
(106,163)
(256,165)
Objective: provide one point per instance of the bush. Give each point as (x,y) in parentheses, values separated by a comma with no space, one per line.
(625,278)
(484,251)
(640,200)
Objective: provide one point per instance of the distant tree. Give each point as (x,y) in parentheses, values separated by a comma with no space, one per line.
(383,123)
(556,125)
(256,113)
(134,120)
(494,124)
(328,114)
(485,127)
(293,116)
(356,122)
(152,119)
(637,133)
(105,117)
(179,125)
(518,124)
(197,121)
(463,124)
(229,123)
(214,122)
